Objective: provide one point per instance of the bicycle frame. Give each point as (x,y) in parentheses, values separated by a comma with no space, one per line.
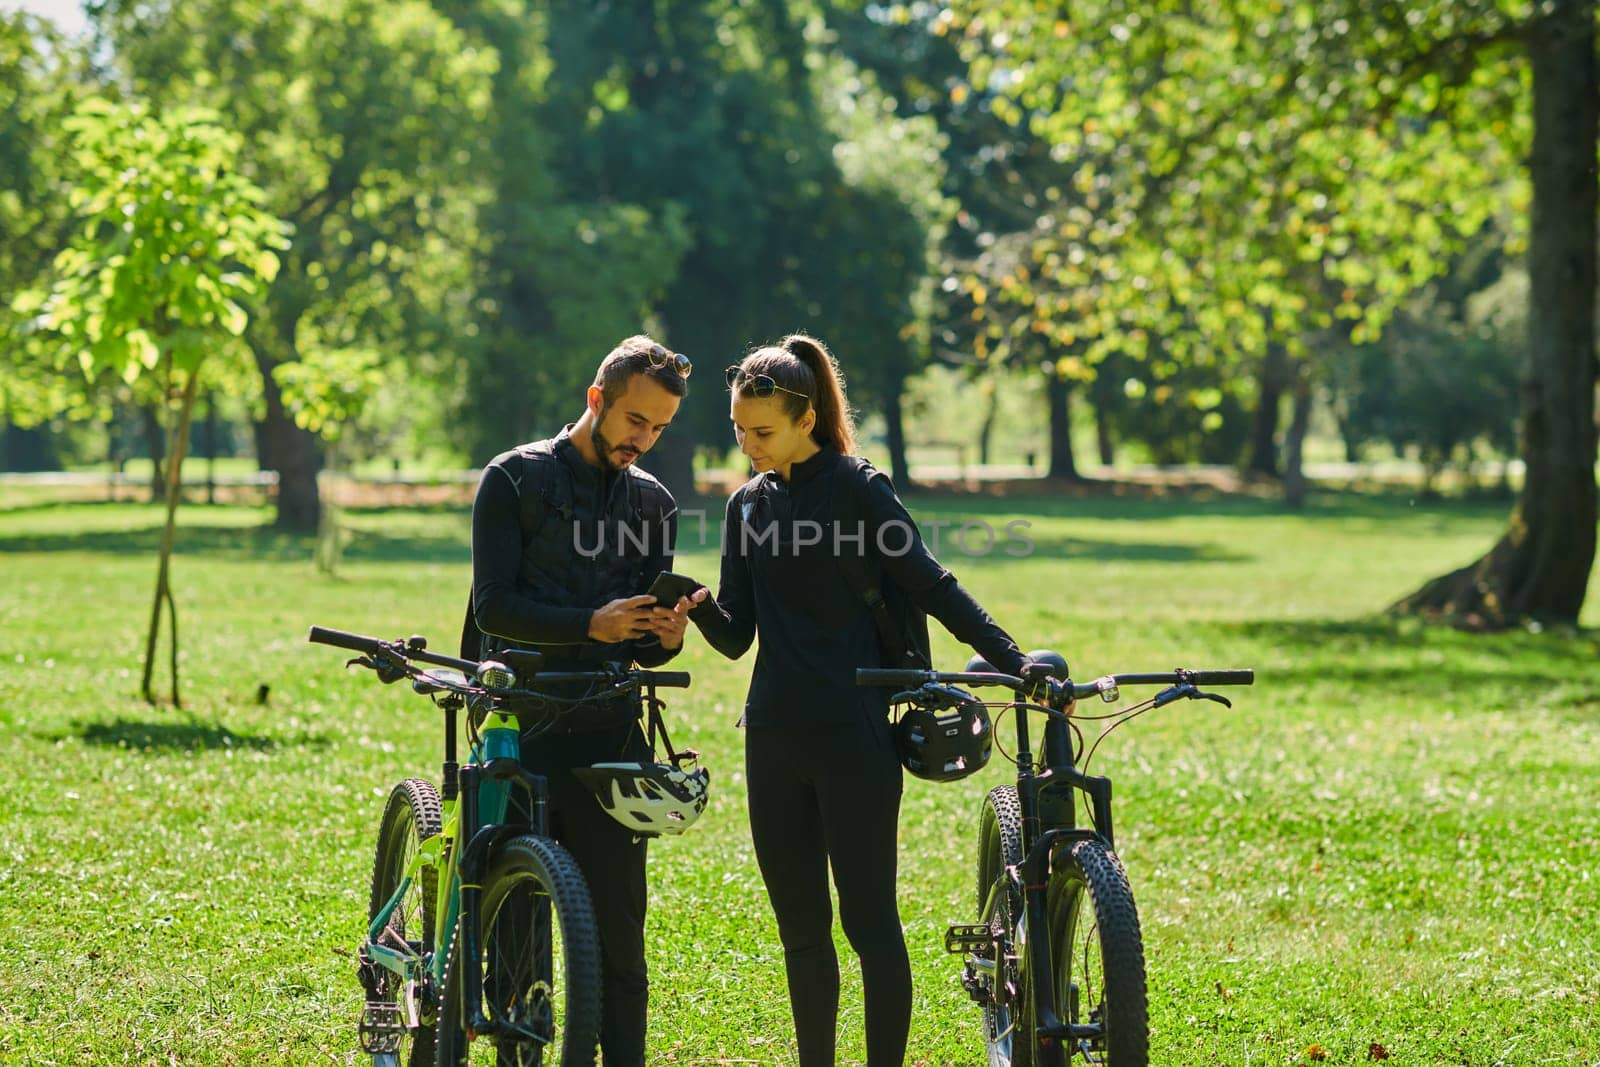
(1046,811)
(475,798)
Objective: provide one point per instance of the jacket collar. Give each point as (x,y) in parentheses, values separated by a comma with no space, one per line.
(807,469)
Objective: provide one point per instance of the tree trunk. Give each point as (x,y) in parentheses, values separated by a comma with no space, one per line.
(1062,466)
(1270,381)
(894,421)
(991,415)
(1104,443)
(291,451)
(1294,475)
(1540,567)
(178,438)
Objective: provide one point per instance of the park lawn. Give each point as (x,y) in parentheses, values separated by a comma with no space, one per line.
(1390,841)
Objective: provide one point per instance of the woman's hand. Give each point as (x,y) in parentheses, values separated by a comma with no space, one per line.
(668,624)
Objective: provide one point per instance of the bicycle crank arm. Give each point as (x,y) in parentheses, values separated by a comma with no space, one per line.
(1072,1031)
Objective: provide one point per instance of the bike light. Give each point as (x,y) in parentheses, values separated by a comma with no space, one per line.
(1107,688)
(493,675)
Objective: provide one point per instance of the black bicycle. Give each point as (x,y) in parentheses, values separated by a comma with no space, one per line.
(481,944)
(1056,958)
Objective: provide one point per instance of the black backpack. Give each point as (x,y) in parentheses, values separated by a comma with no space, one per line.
(902,626)
(544,486)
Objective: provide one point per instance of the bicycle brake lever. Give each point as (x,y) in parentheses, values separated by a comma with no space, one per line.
(1220,699)
(1176,692)
(388,673)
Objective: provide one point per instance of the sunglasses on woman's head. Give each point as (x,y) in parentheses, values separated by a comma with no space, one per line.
(757,385)
(661,356)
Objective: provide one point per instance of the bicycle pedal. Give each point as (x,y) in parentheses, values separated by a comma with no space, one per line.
(382,1027)
(964,938)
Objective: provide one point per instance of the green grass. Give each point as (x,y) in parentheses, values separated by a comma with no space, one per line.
(1391,839)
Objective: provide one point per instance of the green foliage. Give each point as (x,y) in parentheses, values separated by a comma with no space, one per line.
(732,124)
(41,78)
(363,122)
(1434,383)
(327,394)
(174,246)
(1250,170)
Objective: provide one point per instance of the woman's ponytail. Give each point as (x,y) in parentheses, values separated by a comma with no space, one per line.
(835,426)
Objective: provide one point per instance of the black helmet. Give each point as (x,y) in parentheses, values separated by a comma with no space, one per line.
(947,738)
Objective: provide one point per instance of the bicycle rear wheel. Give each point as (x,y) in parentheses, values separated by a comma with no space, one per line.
(412,815)
(1098,956)
(1007,1012)
(539,961)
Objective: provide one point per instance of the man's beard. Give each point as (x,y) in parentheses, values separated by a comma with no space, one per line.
(604,448)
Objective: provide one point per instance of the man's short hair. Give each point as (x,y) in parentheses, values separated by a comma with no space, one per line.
(630,357)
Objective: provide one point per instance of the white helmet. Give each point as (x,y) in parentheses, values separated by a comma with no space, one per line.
(648,798)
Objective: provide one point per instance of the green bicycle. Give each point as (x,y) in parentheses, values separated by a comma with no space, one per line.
(481,944)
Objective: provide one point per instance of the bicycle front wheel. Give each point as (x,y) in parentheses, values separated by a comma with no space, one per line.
(398,1024)
(1097,956)
(539,962)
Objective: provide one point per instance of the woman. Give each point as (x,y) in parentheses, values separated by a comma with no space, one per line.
(824,778)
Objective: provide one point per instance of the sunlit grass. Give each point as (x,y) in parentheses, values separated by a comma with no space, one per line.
(1390,840)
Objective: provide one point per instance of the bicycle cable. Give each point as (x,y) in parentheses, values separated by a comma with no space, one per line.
(1008,705)
(1132,711)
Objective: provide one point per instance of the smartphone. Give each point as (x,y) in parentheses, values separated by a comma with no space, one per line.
(668,587)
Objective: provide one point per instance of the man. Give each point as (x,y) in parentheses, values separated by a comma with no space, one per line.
(566,536)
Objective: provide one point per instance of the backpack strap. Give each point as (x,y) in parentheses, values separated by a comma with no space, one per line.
(541,489)
(858,575)
(543,485)
(648,498)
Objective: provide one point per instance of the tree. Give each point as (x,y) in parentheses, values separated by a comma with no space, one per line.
(565,270)
(997,178)
(41,79)
(724,120)
(363,122)
(175,245)
(1239,152)
(1539,568)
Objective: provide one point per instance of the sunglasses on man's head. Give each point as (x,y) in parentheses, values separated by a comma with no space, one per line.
(757,385)
(660,356)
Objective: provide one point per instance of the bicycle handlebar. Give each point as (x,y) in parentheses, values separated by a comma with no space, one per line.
(375,647)
(883,676)
(372,646)
(659,679)
(1231,676)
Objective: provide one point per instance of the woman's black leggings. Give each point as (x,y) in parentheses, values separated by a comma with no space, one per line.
(821,796)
